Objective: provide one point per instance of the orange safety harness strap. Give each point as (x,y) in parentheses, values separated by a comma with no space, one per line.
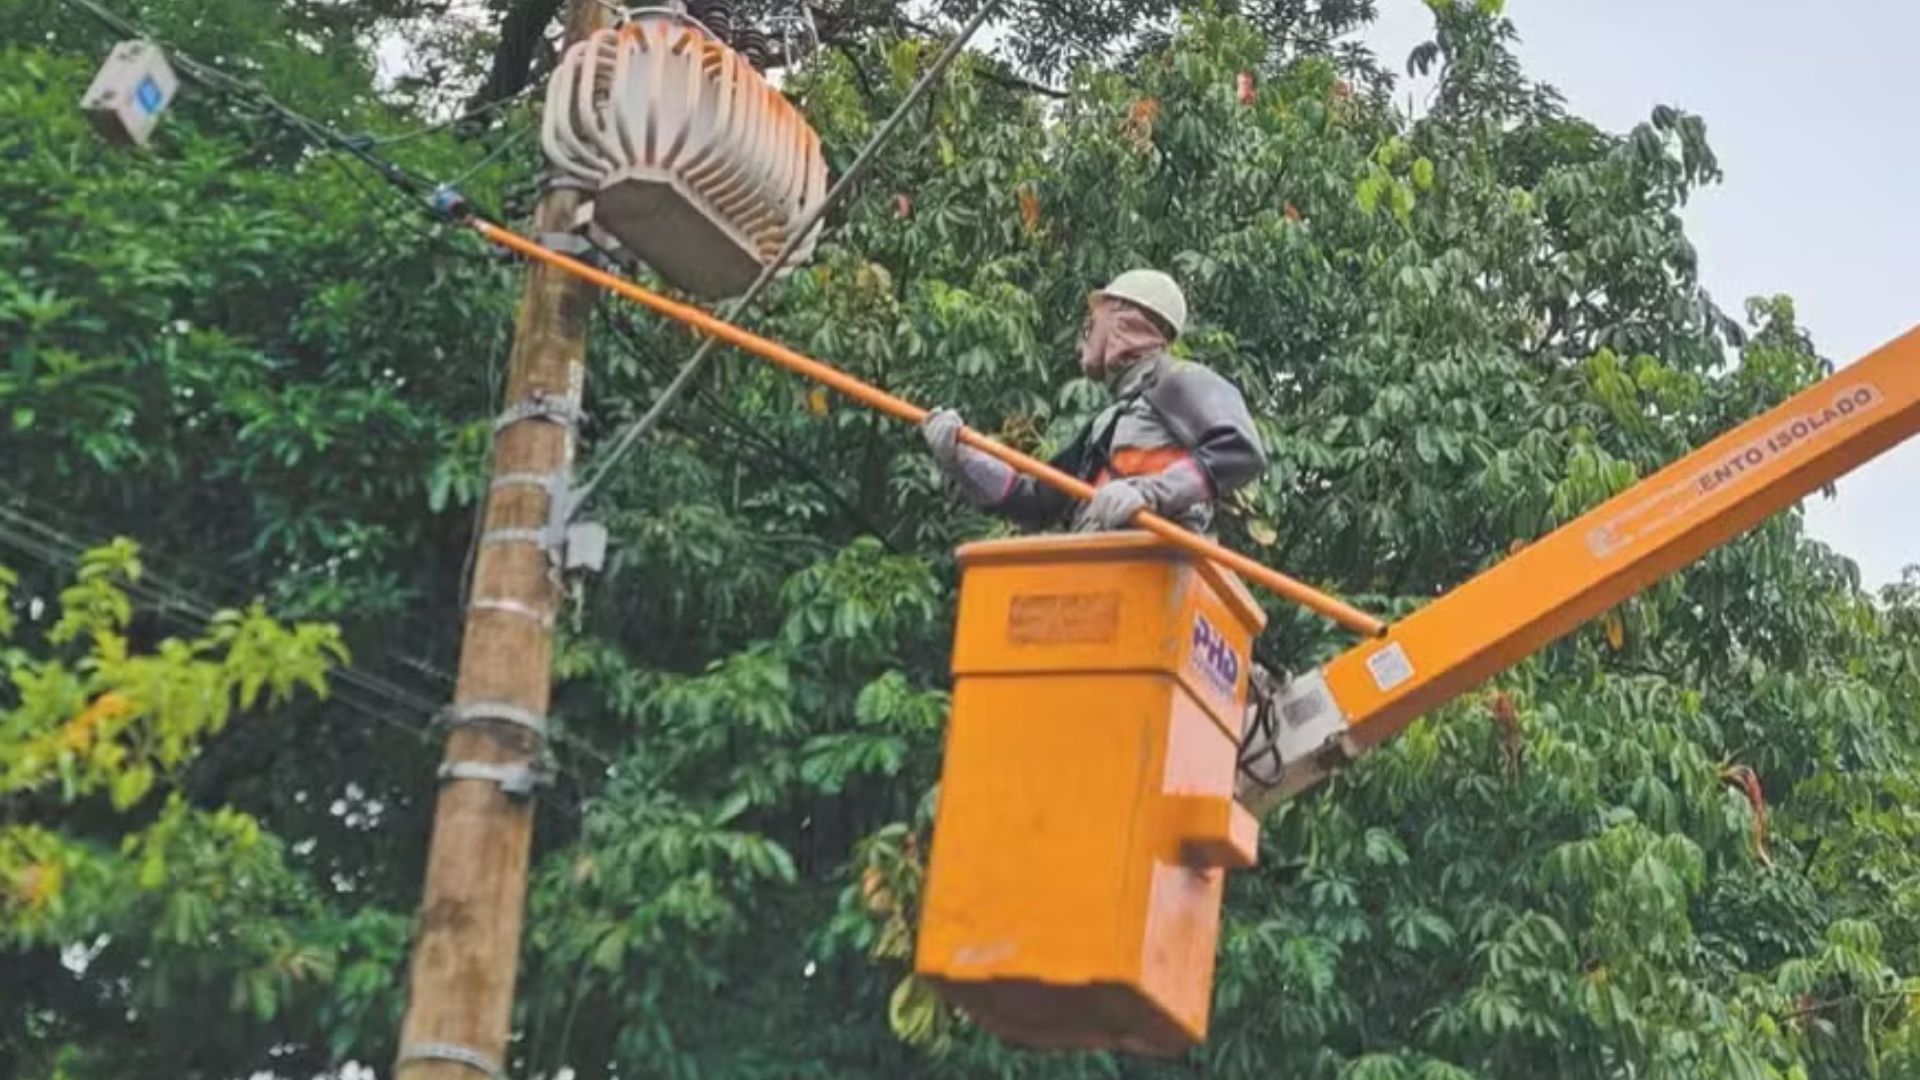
(1138,461)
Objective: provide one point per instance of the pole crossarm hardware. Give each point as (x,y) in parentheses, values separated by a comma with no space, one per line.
(874,398)
(568,544)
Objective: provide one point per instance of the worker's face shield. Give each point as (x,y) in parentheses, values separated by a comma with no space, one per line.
(1093,335)
(1096,302)
(1117,332)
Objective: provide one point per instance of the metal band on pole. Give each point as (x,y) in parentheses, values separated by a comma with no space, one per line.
(455,1053)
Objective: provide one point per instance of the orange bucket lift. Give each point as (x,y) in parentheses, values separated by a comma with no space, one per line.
(1087,804)
(1087,814)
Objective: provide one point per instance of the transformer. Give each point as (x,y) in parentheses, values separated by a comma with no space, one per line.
(698,166)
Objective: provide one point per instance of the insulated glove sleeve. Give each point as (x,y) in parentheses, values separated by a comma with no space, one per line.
(983,479)
(1170,494)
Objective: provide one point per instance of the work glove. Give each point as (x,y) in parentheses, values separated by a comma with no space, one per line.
(941,429)
(984,479)
(1113,505)
(1170,493)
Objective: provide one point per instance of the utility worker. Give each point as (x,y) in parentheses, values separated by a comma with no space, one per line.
(1175,439)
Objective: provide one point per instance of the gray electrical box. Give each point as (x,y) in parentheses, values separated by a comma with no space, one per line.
(133,88)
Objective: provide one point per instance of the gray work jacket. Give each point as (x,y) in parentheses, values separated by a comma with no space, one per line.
(1159,403)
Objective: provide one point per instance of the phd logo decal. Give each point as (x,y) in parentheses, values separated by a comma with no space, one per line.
(1214,658)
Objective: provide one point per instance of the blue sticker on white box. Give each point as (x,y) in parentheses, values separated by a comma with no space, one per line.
(149,95)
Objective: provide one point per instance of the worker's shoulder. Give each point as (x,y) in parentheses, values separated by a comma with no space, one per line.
(1176,378)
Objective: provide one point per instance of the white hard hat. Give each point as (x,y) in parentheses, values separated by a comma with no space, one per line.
(1154,291)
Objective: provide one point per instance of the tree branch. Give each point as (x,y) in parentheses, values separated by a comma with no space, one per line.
(1013,81)
(521,33)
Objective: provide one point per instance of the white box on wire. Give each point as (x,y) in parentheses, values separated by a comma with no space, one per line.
(133,88)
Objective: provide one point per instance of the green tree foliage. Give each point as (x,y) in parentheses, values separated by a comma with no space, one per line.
(126,904)
(1035,37)
(1459,331)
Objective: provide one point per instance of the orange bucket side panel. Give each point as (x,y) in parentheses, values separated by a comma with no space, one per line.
(1039,802)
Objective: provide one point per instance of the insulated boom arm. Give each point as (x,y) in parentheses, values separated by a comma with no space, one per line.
(1374,690)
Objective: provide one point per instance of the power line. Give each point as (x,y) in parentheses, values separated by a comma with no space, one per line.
(464,118)
(170,606)
(415,185)
(190,611)
(201,606)
(404,217)
(220,82)
(57,548)
(193,610)
(746,434)
(312,131)
(506,144)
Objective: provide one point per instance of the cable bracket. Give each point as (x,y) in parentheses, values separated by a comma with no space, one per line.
(519,781)
(547,482)
(515,608)
(572,244)
(480,712)
(570,545)
(460,1055)
(541,405)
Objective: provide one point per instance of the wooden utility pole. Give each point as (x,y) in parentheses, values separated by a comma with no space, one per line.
(467,946)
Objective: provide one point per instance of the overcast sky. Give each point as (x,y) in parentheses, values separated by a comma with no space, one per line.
(1814,111)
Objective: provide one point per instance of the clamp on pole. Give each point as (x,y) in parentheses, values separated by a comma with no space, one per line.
(577,244)
(532,614)
(544,481)
(569,545)
(480,712)
(536,537)
(519,781)
(460,1055)
(541,405)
